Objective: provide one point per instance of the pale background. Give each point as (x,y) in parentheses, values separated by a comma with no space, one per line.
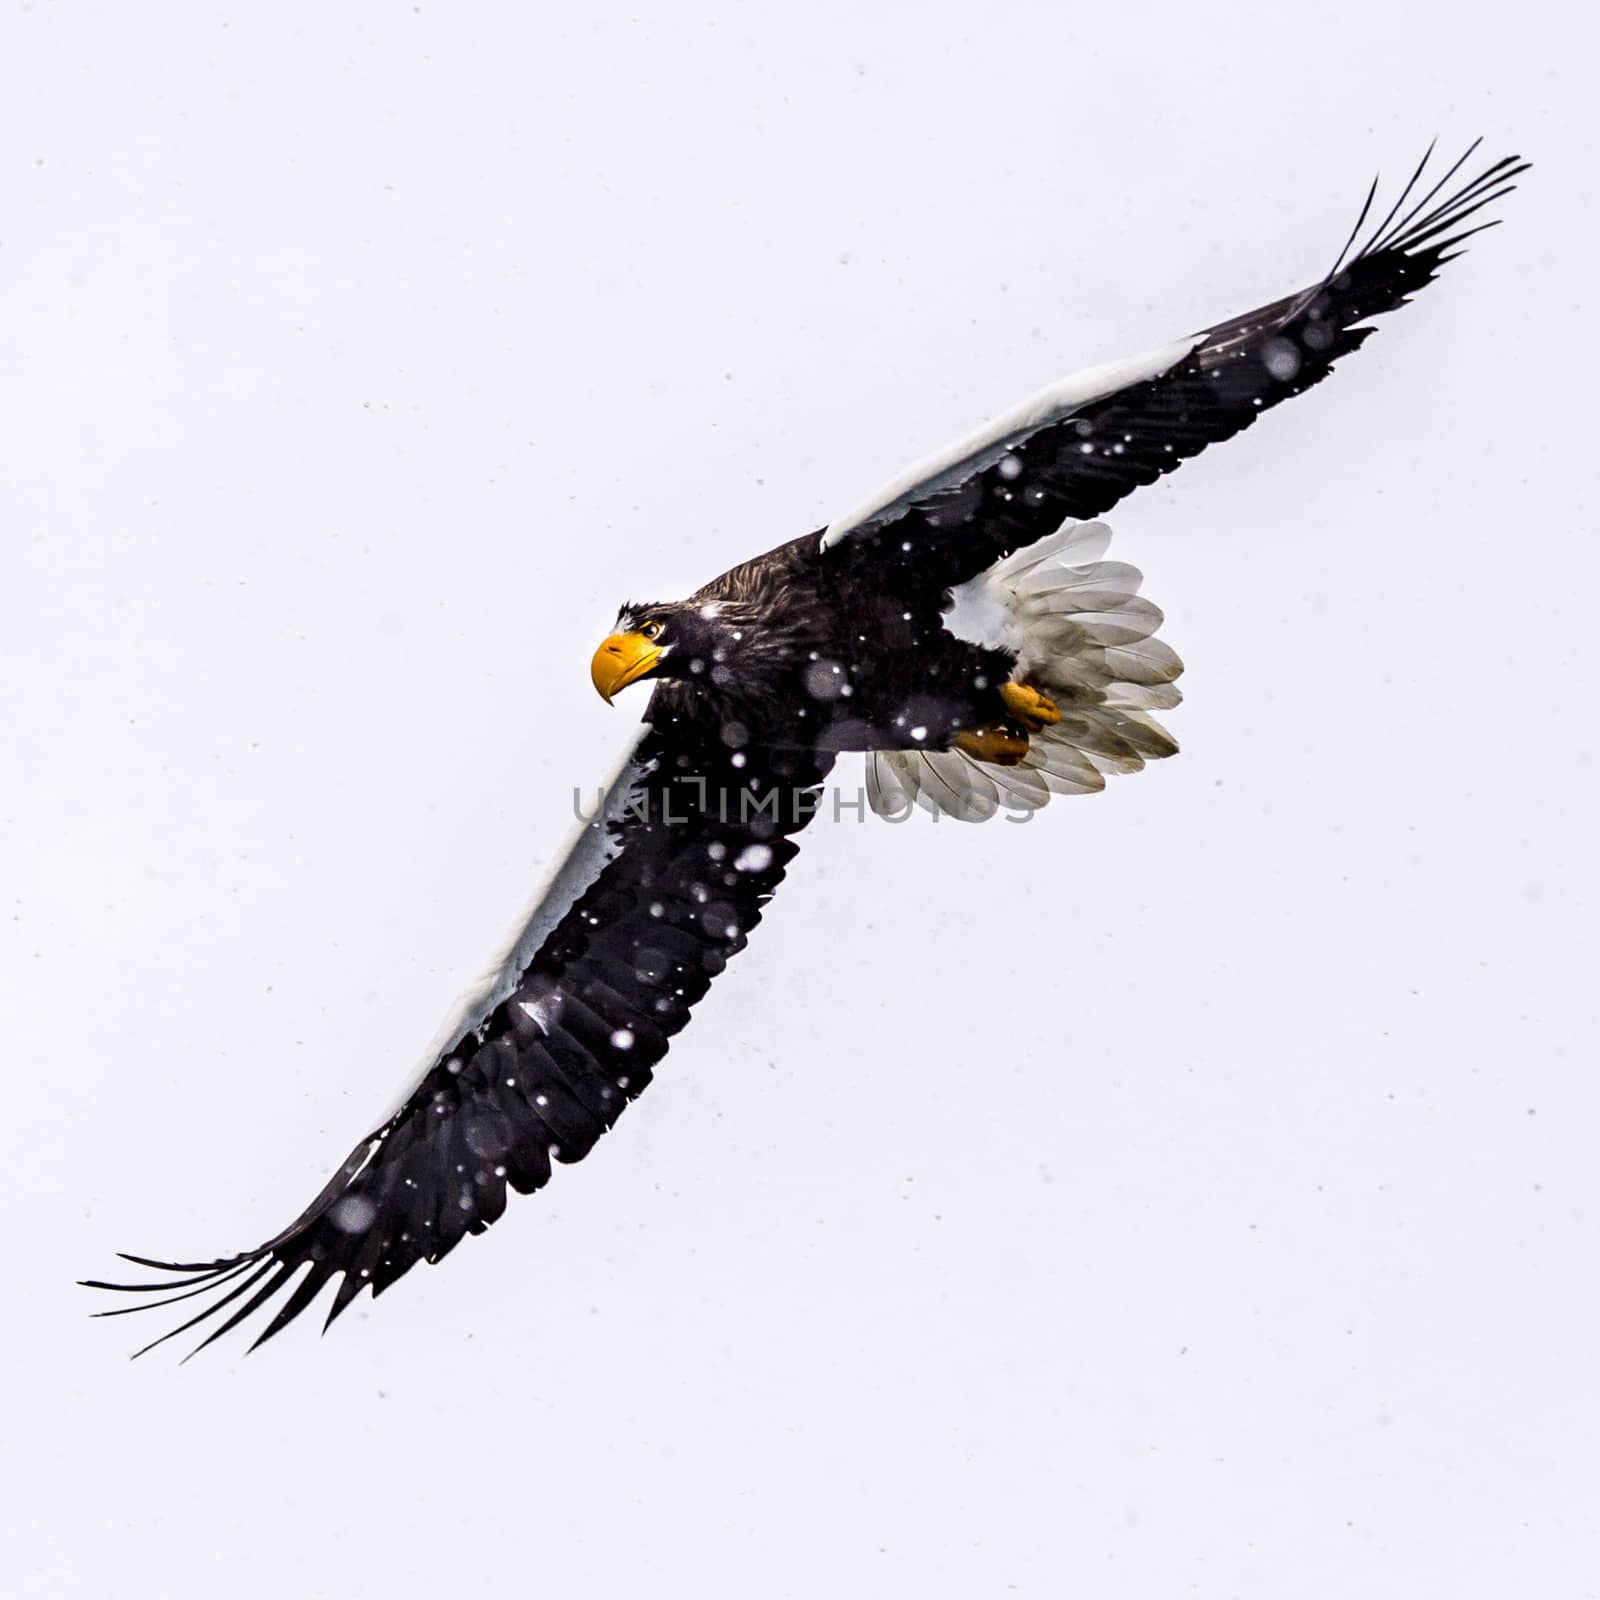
(1191,1193)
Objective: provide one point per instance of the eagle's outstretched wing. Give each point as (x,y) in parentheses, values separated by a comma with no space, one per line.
(1078,447)
(543,1054)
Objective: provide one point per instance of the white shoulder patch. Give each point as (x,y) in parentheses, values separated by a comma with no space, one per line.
(588,850)
(959,461)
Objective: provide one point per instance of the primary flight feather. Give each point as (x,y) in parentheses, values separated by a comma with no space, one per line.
(959,627)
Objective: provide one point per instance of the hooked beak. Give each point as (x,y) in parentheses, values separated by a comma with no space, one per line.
(622,659)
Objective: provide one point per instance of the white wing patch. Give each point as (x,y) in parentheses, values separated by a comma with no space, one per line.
(959,461)
(588,850)
(1082,634)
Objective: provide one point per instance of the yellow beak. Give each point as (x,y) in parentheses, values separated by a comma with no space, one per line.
(622,659)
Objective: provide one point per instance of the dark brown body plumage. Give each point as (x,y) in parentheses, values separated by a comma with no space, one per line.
(831,651)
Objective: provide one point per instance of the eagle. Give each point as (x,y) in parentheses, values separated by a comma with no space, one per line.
(960,628)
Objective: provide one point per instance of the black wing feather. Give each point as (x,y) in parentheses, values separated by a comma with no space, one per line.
(1082,465)
(695,856)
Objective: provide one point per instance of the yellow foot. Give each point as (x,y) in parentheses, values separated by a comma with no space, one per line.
(1027,707)
(1004,746)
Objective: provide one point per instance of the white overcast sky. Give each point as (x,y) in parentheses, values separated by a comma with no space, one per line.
(1192,1192)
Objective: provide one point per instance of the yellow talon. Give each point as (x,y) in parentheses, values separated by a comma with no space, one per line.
(1003,746)
(1027,707)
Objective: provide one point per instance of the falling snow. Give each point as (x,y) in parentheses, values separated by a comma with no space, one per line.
(355,1213)
(1281,358)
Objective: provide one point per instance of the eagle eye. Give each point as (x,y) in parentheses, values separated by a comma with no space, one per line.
(651,630)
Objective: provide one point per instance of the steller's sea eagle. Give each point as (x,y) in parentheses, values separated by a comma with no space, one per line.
(958,626)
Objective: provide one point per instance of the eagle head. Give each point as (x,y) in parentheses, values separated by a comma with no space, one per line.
(684,639)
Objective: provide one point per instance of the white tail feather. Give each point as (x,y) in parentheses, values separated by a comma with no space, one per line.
(1083,636)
